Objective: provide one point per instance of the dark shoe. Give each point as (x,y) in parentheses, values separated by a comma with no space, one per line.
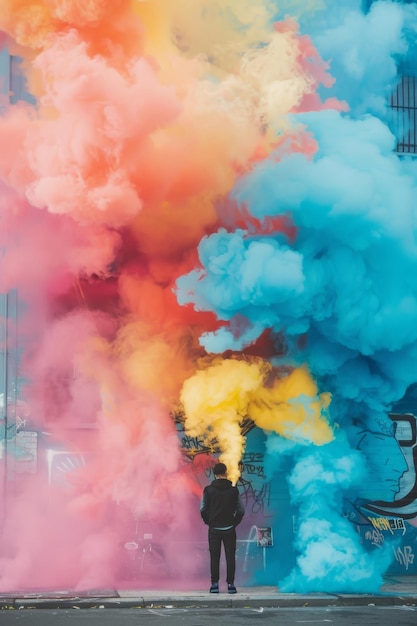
(231,589)
(214,588)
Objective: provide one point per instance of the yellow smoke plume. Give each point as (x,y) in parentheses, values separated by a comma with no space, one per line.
(292,408)
(216,400)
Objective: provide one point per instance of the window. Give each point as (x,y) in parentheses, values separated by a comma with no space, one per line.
(404,115)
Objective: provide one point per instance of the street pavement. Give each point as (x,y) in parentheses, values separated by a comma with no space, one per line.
(334,616)
(396,591)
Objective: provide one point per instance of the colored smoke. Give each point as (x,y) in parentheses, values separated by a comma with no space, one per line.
(191,180)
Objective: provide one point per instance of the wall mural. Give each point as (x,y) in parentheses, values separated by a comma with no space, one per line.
(386,508)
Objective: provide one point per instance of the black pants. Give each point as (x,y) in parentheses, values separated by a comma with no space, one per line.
(215,539)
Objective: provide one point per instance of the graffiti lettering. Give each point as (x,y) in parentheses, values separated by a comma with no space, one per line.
(253,457)
(192,443)
(380,523)
(404,556)
(384,523)
(375,537)
(193,446)
(252,469)
(397,524)
(259,497)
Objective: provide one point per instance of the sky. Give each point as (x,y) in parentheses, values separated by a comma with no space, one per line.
(197,186)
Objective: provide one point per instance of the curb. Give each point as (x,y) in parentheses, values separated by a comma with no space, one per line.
(205,603)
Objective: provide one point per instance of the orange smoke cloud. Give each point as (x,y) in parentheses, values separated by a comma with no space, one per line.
(107,27)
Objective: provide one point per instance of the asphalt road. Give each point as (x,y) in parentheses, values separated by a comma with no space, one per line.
(330,616)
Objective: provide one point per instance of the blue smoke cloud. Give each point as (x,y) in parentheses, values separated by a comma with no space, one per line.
(364,42)
(347,283)
(363,50)
(328,545)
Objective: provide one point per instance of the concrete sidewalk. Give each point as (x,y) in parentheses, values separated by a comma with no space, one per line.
(396,591)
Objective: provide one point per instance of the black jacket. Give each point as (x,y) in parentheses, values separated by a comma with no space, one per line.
(221,505)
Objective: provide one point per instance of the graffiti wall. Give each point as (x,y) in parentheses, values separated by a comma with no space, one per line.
(385,511)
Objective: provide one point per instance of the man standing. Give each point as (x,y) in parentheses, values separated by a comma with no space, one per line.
(222,510)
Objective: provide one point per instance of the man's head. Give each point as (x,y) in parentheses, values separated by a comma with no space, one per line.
(220,469)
